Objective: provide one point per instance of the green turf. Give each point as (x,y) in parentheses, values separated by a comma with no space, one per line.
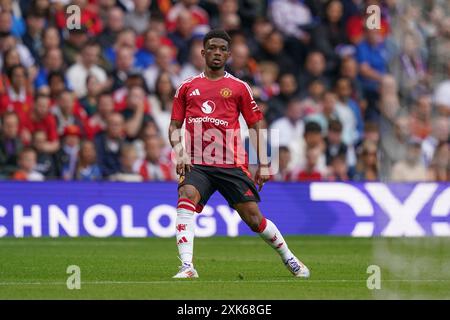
(229,268)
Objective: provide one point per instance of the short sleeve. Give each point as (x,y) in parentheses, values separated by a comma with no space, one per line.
(248,107)
(179,104)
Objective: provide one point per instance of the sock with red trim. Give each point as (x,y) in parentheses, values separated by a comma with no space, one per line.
(270,233)
(185,229)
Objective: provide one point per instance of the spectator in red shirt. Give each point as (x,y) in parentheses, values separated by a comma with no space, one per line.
(199,15)
(68,112)
(42,119)
(310,172)
(152,168)
(88,18)
(284,158)
(16,96)
(97,123)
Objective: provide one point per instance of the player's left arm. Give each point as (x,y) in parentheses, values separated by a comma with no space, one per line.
(253,117)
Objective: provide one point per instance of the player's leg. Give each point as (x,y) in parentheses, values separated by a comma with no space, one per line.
(240,192)
(188,197)
(268,231)
(194,191)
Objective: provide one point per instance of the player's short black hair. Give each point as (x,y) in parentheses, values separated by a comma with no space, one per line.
(335,125)
(217,33)
(312,127)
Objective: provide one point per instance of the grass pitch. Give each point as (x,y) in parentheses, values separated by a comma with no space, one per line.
(229,268)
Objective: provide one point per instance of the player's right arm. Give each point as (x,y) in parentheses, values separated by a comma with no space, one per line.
(175,137)
(183,160)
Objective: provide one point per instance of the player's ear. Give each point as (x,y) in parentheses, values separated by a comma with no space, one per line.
(203,53)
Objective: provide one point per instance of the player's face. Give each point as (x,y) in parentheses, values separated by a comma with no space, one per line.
(216,53)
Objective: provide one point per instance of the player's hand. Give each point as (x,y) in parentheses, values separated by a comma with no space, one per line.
(182,168)
(262,176)
(182,159)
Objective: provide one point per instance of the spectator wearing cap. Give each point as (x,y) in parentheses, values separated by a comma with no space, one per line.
(88,64)
(27,165)
(108,144)
(411,168)
(67,155)
(74,44)
(10,143)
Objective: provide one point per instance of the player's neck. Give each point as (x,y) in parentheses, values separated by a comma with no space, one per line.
(214,74)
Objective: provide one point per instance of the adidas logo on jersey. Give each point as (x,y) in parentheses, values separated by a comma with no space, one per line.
(196,92)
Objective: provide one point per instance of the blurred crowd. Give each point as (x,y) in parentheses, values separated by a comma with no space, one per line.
(351,103)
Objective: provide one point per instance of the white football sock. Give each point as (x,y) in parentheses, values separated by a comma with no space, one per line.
(185,229)
(270,233)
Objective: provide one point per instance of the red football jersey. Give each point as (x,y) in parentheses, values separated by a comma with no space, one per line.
(211,110)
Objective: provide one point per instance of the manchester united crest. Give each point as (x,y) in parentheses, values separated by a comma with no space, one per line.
(226,92)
